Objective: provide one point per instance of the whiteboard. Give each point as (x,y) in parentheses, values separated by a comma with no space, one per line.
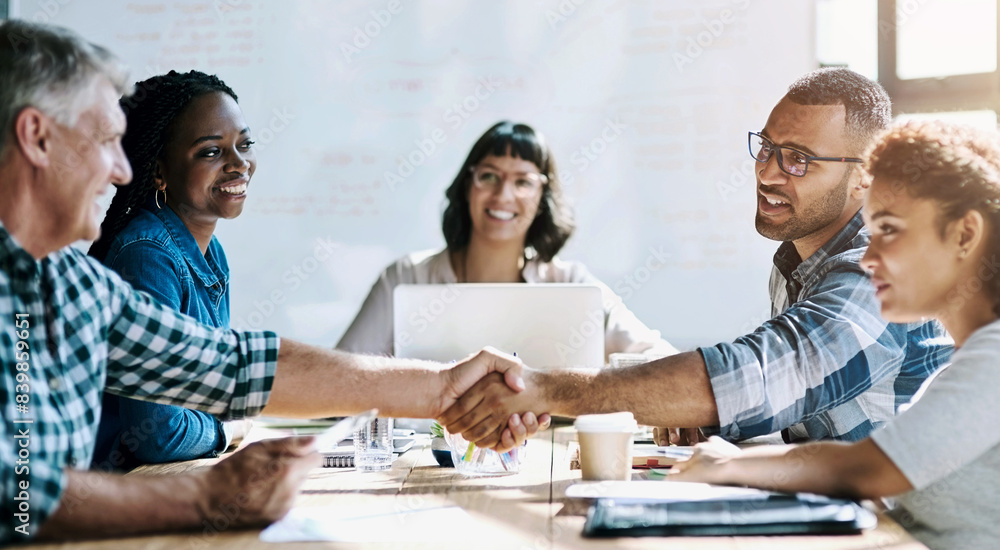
(645,103)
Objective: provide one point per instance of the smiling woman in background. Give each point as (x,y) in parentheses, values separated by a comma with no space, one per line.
(505,222)
(934,214)
(192,159)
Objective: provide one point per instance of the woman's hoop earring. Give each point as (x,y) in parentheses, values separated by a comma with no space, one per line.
(156,197)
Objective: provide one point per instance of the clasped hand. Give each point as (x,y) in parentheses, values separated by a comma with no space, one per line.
(494,412)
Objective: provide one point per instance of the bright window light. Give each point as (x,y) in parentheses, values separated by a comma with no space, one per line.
(986,119)
(847,34)
(936,38)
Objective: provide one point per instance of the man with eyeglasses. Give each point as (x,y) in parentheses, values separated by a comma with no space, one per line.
(826,366)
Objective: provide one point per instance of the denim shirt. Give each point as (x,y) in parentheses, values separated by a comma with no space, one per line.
(827,365)
(156,253)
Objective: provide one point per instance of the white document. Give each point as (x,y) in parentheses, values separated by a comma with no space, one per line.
(662,491)
(316,524)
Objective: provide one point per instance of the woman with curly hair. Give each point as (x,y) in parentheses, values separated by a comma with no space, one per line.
(505,221)
(192,159)
(933,210)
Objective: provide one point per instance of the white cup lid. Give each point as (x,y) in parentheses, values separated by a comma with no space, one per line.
(614,422)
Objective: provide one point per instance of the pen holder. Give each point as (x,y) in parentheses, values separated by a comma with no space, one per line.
(473,461)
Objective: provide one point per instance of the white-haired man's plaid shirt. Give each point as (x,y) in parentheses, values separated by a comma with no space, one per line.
(86,330)
(827,365)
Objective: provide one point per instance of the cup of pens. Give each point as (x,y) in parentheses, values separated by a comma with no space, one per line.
(473,461)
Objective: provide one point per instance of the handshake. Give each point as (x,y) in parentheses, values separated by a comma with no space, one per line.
(483,397)
(486,401)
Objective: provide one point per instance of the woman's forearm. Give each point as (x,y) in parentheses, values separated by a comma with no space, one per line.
(854,470)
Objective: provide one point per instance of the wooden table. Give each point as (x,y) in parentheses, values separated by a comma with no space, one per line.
(523,511)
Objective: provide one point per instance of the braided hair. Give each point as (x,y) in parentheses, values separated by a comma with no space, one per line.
(149,111)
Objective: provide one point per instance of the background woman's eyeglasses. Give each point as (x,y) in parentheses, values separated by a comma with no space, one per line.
(791,161)
(491,179)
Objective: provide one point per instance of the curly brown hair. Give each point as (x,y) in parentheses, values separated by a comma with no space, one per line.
(957,167)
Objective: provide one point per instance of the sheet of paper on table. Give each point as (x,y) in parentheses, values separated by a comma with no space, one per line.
(665,491)
(317,524)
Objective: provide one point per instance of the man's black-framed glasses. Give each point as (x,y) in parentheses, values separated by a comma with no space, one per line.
(791,161)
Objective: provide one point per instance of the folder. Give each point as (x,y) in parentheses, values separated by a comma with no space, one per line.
(776,514)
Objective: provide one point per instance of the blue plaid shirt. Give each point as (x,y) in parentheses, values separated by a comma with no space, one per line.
(826,366)
(71,328)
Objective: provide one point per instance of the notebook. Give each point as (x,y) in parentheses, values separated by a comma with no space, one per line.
(342,456)
(547,325)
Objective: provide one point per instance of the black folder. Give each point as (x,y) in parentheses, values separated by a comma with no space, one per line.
(778,514)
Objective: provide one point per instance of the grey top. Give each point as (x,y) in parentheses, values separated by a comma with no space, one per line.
(371,331)
(947,444)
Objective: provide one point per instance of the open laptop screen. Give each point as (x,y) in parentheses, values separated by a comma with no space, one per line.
(547,325)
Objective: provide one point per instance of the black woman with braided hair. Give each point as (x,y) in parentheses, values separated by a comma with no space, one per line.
(192,159)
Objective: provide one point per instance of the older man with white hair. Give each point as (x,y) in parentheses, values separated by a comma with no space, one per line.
(72,329)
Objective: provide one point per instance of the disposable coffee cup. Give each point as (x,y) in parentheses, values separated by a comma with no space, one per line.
(606,445)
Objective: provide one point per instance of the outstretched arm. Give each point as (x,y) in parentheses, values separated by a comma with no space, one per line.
(853,470)
(672,391)
(312,382)
(253,487)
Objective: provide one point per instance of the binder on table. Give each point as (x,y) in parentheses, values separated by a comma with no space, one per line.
(777,514)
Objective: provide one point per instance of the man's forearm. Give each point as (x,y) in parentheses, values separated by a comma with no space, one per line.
(99,505)
(312,382)
(674,391)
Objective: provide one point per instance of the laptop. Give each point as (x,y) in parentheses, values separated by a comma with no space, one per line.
(547,325)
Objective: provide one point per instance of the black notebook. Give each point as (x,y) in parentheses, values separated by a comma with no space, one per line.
(778,514)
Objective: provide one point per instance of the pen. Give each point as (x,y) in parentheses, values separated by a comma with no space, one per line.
(679,453)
